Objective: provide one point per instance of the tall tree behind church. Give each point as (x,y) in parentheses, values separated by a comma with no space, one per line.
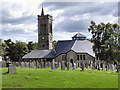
(106,39)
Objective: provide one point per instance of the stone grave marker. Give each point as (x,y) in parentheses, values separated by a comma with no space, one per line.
(42,65)
(74,66)
(68,65)
(62,65)
(53,65)
(11,69)
(22,65)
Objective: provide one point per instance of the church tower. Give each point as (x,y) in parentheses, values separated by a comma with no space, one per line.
(45,34)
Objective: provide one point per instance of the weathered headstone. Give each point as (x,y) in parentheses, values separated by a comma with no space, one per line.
(27,64)
(37,65)
(22,65)
(107,67)
(12,70)
(68,65)
(62,65)
(118,67)
(91,64)
(103,66)
(3,63)
(17,64)
(99,65)
(45,63)
(53,65)
(49,64)
(83,66)
(42,65)
(112,67)
(74,66)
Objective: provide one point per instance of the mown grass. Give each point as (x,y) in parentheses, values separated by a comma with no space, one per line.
(47,78)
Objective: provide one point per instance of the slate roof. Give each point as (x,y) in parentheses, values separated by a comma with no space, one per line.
(40,54)
(78,35)
(78,46)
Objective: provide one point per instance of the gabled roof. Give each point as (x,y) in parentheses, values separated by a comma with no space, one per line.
(78,46)
(40,54)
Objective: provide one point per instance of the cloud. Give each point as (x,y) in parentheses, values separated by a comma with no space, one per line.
(19,18)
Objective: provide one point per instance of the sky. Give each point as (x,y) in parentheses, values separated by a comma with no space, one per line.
(19,17)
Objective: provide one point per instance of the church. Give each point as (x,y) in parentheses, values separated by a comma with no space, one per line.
(79,48)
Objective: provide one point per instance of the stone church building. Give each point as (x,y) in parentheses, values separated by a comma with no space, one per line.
(79,48)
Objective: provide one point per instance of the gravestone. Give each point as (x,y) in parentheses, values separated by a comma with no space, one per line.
(91,64)
(103,66)
(11,69)
(74,66)
(99,65)
(118,67)
(83,66)
(53,65)
(112,67)
(45,63)
(56,65)
(62,65)
(37,65)
(22,65)
(42,65)
(59,64)
(27,65)
(68,65)
(49,64)
(17,64)
(107,67)
(3,63)
(87,64)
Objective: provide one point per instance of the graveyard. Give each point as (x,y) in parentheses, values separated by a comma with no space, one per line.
(48,78)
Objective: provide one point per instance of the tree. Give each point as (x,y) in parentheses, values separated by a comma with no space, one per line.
(54,43)
(105,39)
(16,50)
(32,46)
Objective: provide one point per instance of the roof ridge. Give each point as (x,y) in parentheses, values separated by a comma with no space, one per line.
(73,45)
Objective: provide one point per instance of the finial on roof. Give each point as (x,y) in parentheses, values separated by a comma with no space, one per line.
(42,13)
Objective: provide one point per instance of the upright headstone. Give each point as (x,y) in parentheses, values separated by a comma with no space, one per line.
(118,67)
(99,65)
(22,64)
(49,64)
(91,64)
(68,65)
(3,63)
(53,65)
(74,66)
(83,66)
(62,65)
(107,67)
(11,69)
(17,64)
(27,65)
(37,65)
(103,65)
(42,65)
(45,63)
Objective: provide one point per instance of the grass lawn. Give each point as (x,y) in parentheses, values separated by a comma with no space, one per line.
(47,78)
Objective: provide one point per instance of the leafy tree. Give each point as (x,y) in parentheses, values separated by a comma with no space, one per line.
(54,43)
(105,39)
(16,50)
(32,46)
